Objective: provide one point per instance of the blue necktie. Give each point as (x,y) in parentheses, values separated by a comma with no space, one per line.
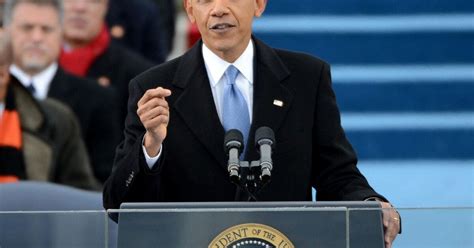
(235,114)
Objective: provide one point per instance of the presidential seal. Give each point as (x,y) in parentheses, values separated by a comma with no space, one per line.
(251,236)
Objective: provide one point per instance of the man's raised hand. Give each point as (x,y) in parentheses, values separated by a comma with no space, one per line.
(153,111)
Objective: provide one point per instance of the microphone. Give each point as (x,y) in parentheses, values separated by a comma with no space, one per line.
(233,147)
(265,143)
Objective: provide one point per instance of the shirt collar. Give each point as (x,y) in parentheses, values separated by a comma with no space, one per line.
(41,80)
(244,63)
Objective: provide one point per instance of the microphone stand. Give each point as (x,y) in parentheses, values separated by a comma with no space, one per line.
(250,180)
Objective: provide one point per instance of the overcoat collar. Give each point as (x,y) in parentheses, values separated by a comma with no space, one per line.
(37,149)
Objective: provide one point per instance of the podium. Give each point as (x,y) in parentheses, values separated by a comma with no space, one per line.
(251,225)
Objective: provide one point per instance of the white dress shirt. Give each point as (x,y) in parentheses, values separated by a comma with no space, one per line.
(216,67)
(41,81)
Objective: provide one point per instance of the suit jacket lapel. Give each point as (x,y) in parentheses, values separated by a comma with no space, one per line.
(271,98)
(196,105)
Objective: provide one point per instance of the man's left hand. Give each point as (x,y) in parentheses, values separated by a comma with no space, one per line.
(391,223)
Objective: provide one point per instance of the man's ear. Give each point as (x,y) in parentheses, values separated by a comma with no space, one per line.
(260,6)
(188,6)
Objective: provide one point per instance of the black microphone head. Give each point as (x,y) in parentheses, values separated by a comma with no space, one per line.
(264,135)
(233,139)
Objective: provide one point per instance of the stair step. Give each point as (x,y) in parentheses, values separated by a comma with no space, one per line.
(405,97)
(407,121)
(376,48)
(291,24)
(443,38)
(440,183)
(403,73)
(413,143)
(368,6)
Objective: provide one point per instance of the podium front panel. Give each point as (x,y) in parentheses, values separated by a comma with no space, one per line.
(244,225)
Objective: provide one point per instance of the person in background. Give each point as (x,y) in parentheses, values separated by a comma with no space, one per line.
(36,33)
(39,140)
(138,25)
(167,15)
(179,112)
(88,50)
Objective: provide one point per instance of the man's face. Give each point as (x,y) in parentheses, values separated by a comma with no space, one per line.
(225,25)
(35,36)
(83,20)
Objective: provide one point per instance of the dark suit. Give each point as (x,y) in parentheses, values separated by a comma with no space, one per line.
(118,65)
(96,109)
(311,149)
